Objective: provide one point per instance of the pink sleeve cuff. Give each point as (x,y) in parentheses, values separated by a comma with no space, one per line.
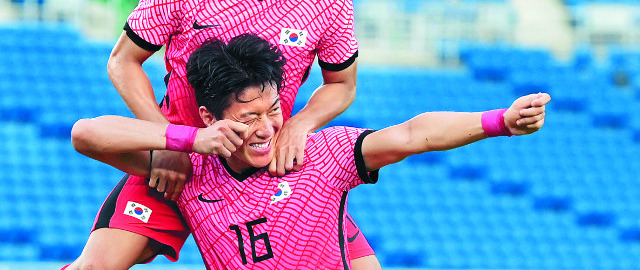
(493,123)
(180,138)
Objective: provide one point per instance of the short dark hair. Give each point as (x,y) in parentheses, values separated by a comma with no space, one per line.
(218,71)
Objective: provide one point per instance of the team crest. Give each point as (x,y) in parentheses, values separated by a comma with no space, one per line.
(283,192)
(293,37)
(138,211)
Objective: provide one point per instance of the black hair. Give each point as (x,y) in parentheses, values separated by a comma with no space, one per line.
(218,71)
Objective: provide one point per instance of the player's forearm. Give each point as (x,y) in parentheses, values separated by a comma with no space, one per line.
(134,87)
(107,135)
(439,131)
(433,131)
(326,103)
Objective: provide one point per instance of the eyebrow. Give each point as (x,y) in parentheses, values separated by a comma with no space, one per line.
(253,113)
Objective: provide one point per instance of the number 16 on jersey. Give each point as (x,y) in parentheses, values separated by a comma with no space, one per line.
(253,238)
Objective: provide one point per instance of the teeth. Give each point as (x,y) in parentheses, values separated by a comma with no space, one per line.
(259,145)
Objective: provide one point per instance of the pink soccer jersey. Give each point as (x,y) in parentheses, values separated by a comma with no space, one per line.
(300,28)
(254,220)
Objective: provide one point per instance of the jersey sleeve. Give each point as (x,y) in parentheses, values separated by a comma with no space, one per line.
(152,22)
(338,48)
(337,153)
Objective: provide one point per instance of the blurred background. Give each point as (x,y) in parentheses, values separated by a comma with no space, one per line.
(563,198)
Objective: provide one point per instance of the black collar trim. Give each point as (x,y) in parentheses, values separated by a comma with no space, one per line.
(238,176)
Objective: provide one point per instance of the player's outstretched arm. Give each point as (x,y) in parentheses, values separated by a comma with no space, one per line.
(439,131)
(125,142)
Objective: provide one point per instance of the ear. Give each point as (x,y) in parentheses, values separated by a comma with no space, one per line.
(206,116)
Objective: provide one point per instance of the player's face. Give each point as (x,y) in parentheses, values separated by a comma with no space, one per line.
(261,112)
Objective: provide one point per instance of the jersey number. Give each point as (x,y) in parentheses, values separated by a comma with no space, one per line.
(253,238)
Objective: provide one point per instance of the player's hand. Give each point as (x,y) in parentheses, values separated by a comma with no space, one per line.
(289,149)
(526,115)
(222,138)
(169,171)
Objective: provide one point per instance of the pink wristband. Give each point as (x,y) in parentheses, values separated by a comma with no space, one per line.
(180,138)
(493,123)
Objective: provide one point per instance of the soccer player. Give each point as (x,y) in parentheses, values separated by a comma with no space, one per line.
(302,29)
(242,216)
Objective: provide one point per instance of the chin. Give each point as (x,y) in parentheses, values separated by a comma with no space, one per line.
(260,162)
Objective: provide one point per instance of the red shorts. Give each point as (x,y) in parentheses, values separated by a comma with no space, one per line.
(134,207)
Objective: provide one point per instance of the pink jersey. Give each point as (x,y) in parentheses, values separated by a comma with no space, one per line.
(300,28)
(254,220)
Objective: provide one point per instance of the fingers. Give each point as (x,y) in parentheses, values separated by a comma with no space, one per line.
(287,159)
(161,185)
(169,172)
(299,159)
(290,155)
(153,181)
(233,135)
(178,190)
(223,138)
(541,100)
(273,166)
(229,145)
(531,111)
(530,120)
(168,192)
(536,125)
(280,162)
(238,128)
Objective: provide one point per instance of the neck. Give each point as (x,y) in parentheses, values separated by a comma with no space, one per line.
(238,172)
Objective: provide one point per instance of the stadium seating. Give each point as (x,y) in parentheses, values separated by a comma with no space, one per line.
(562,198)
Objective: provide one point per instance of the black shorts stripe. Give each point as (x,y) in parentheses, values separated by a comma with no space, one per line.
(109,207)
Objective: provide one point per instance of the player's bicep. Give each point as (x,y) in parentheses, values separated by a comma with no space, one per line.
(136,163)
(126,50)
(345,75)
(389,145)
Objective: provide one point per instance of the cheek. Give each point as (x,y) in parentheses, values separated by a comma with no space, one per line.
(277,123)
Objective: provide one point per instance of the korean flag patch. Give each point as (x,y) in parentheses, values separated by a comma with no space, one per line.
(283,192)
(138,211)
(293,37)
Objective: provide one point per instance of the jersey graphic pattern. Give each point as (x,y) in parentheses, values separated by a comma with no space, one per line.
(329,24)
(300,231)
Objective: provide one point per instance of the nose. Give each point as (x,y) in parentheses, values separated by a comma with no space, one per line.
(264,128)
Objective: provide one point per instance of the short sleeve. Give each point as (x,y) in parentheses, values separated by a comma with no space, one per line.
(152,22)
(338,48)
(336,152)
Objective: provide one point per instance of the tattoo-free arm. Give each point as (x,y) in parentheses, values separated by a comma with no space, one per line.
(439,131)
(126,73)
(333,97)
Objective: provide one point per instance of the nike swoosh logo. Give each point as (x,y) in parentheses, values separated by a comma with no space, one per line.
(198,27)
(353,238)
(202,199)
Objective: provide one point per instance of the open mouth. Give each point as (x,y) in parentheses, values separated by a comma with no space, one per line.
(260,146)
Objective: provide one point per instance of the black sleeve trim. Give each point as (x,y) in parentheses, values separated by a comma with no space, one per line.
(140,41)
(367,177)
(338,67)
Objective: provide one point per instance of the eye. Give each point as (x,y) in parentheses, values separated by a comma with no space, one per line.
(275,110)
(249,122)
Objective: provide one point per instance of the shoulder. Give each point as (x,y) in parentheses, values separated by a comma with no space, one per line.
(334,137)
(201,164)
(339,4)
